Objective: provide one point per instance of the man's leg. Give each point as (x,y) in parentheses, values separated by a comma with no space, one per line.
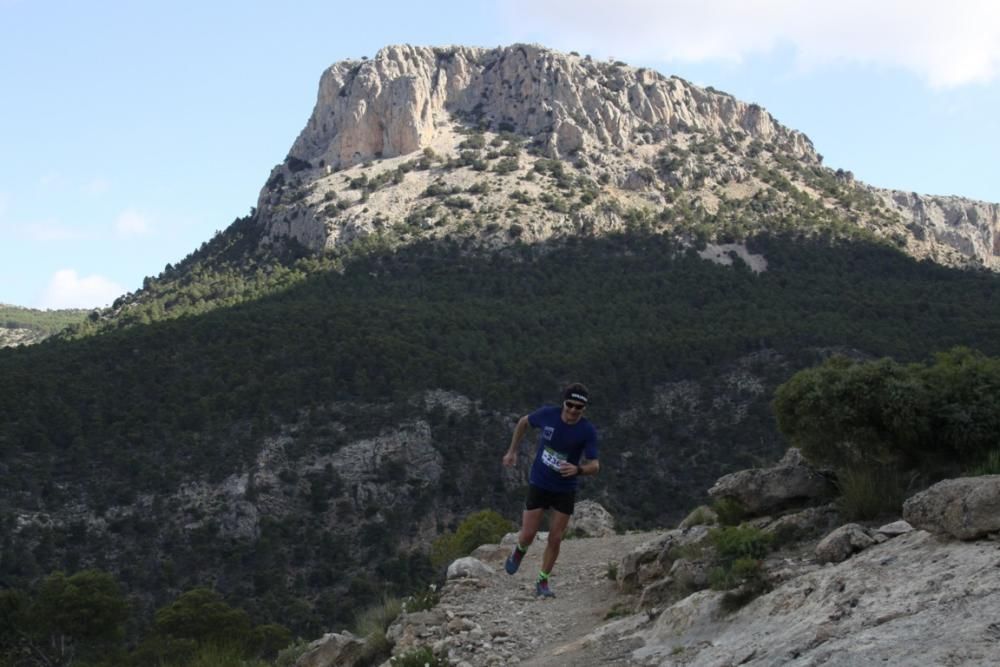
(557,526)
(530,521)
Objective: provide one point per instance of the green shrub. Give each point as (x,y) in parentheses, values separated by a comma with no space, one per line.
(989,466)
(700,516)
(618,610)
(729,511)
(427,599)
(378,617)
(866,493)
(507,165)
(484,527)
(929,419)
(289,655)
(721,578)
(372,624)
(737,542)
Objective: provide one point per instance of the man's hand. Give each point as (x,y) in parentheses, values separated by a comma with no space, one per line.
(567,469)
(509,459)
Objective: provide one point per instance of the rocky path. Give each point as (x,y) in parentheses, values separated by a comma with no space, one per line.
(496,619)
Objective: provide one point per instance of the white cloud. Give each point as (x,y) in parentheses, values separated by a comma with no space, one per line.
(132,223)
(947,44)
(68,290)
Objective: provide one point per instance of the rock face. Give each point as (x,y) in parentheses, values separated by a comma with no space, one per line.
(970,229)
(910,601)
(469,567)
(645,138)
(397,102)
(763,490)
(333,650)
(966,508)
(590,519)
(842,543)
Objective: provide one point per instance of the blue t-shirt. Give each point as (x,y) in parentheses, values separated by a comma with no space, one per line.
(557,442)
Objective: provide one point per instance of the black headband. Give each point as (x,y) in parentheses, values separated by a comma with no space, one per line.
(576,396)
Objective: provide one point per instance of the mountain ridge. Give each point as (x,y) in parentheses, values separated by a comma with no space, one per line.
(628,138)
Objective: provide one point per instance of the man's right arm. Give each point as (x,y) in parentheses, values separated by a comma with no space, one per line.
(510,458)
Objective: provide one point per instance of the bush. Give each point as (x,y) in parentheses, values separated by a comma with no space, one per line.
(989,466)
(729,511)
(372,624)
(866,493)
(484,527)
(428,599)
(736,542)
(740,551)
(288,656)
(930,419)
(507,165)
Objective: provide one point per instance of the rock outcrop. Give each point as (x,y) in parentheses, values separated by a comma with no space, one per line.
(860,596)
(399,101)
(418,122)
(761,490)
(334,649)
(968,229)
(590,519)
(966,508)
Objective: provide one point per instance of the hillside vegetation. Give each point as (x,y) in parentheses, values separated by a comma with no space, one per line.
(107,424)
(20,326)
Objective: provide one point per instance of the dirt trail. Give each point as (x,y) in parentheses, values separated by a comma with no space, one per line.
(550,632)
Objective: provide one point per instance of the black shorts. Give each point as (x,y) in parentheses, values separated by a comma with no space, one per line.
(539,498)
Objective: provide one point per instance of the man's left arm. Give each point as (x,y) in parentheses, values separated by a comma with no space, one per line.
(589,465)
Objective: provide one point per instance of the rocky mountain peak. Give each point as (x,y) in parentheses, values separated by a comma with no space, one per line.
(489,147)
(401,100)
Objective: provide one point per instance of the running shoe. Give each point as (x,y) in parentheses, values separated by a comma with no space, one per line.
(542,589)
(513,561)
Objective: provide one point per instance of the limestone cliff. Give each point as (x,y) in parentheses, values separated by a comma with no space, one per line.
(391,136)
(403,99)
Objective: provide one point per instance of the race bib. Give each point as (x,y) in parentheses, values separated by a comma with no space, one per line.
(552,458)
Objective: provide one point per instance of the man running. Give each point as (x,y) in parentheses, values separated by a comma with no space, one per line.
(567,449)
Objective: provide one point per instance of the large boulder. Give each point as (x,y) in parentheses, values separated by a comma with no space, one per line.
(652,560)
(843,543)
(334,650)
(966,508)
(469,567)
(590,519)
(792,482)
(810,523)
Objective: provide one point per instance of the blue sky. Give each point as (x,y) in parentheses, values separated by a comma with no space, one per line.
(131,131)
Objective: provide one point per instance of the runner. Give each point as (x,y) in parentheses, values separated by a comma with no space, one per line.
(567,449)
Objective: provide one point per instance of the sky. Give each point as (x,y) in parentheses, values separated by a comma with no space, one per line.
(131,131)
